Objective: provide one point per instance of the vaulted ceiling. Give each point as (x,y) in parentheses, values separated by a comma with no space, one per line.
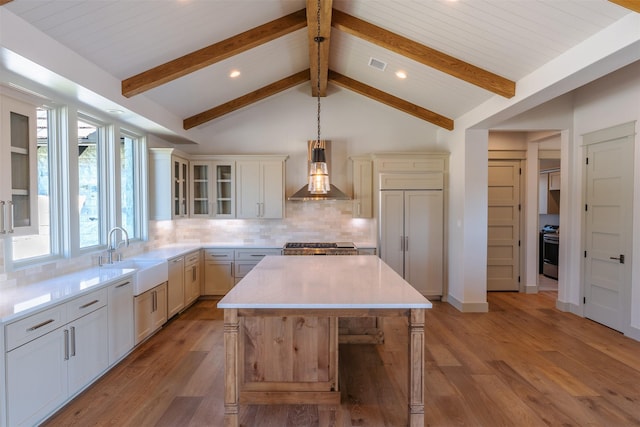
(456,54)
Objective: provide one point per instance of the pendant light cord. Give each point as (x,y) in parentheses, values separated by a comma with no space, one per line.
(318,40)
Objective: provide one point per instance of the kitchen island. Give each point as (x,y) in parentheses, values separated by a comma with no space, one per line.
(281,329)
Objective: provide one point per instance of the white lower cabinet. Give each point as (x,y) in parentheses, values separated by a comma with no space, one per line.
(150,310)
(49,369)
(88,350)
(191,277)
(36,379)
(120,306)
(218,271)
(175,286)
(246,259)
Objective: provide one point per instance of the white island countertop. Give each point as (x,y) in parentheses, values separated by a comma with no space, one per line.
(323,282)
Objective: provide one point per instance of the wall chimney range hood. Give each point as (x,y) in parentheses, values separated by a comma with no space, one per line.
(305,194)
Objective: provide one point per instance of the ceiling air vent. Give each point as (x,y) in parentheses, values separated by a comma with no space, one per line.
(377,64)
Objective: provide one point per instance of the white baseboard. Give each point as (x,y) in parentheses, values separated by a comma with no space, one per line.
(531,289)
(570,308)
(468,307)
(633,333)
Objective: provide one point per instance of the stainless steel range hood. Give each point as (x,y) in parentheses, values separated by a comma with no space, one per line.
(333,194)
(304,195)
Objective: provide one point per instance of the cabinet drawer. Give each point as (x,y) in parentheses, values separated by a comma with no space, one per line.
(255,255)
(191,259)
(218,254)
(86,304)
(243,268)
(32,327)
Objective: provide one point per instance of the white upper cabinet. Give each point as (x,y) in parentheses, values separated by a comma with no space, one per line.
(362,188)
(260,188)
(212,189)
(18,170)
(168,184)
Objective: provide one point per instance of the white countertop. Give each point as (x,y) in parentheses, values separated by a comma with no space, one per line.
(23,300)
(317,282)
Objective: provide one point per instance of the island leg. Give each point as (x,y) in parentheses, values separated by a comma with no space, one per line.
(416,368)
(231,392)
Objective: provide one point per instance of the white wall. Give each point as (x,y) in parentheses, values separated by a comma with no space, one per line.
(608,102)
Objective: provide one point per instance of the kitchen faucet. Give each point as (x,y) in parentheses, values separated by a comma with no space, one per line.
(111,244)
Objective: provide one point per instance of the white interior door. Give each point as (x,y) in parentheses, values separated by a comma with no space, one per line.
(503,234)
(608,226)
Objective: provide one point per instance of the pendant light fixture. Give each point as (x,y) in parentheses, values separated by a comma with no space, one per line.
(318,187)
(318,171)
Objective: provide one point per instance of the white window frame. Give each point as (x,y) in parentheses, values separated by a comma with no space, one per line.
(140,231)
(64,185)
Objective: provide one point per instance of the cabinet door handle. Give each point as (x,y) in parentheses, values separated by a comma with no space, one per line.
(122,285)
(153,301)
(39,325)
(2,206)
(66,344)
(406,243)
(258,210)
(193,273)
(11,217)
(258,255)
(73,341)
(89,304)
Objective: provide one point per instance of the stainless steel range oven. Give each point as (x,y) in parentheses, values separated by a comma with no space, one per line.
(319,248)
(550,244)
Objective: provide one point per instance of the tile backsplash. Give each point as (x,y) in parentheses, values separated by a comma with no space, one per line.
(317,221)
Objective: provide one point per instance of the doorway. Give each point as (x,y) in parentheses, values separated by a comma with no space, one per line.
(608,170)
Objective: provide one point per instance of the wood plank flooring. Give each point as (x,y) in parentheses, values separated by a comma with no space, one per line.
(522,364)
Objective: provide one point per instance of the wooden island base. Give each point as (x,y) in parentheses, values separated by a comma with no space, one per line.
(290,356)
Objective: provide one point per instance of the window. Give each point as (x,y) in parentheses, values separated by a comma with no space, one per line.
(90,205)
(130,185)
(85,187)
(39,245)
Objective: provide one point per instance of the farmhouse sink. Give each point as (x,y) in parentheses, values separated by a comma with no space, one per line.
(149,273)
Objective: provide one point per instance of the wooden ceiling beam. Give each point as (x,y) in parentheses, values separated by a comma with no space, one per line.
(243,101)
(214,53)
(325,31)
(390,100)
(629,4)
(423,54)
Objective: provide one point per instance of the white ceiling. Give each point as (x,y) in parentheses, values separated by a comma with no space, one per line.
(511,38)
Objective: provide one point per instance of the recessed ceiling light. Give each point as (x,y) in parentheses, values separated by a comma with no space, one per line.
(234,73)
(401,74)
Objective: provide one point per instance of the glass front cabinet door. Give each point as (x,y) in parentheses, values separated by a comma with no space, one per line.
(224,190)
(18,183)
(180,185)
(212,189)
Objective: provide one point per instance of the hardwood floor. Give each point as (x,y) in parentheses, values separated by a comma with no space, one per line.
(522,364)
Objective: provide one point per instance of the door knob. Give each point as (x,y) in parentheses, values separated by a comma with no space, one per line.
(620,258)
